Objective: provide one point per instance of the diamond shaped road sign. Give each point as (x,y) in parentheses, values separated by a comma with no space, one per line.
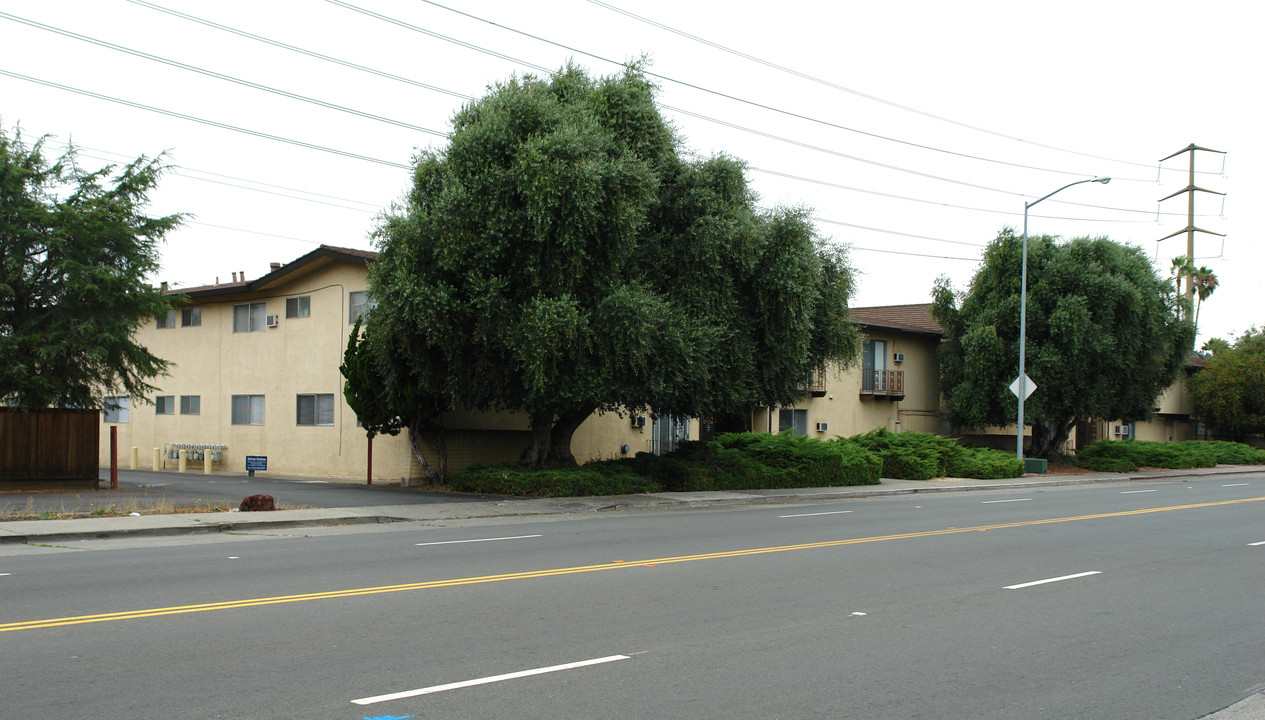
(1029,386)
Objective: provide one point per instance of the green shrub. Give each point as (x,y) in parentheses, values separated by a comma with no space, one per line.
(922,456)
(572,482)
(985,463)
(1129,455)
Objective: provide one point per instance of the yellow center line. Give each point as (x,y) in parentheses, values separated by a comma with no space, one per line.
(621,565)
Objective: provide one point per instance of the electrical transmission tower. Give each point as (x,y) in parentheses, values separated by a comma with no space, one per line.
(1190,228)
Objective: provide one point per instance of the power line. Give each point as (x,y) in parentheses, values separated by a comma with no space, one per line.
(754,103)
(461,43)
(182,171)
(256,232)
(851,91)
(221,76)
(302,51)
(203,121)
(938,203)
(445,38)
(910,254)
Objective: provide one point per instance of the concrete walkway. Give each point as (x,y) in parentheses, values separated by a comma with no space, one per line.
(89,528)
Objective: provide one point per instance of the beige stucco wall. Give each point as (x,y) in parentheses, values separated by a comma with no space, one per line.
(300,355)
(848,412)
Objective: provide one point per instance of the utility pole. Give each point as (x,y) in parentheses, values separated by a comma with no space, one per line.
(1190,228)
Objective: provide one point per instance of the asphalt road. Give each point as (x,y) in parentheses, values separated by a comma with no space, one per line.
(1147,604)
(141,489)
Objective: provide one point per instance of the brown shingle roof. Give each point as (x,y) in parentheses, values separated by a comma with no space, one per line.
(907,318)
(324,251)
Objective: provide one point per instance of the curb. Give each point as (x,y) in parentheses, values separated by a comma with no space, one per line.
(212,528)
(624,503)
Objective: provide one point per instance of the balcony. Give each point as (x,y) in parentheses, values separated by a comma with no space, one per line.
(883,384)
(815,383)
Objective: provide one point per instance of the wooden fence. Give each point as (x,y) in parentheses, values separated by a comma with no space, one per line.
(49,445)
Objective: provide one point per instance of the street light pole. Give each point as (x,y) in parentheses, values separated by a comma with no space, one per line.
(1022,382)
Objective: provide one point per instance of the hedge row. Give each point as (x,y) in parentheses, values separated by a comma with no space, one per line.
(1129,455)
(747,461)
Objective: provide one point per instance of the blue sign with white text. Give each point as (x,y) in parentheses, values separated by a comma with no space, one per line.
(256,462)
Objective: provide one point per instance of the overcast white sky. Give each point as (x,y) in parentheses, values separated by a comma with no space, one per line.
(979,105)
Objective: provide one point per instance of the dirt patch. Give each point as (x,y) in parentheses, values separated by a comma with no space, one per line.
(1063,469)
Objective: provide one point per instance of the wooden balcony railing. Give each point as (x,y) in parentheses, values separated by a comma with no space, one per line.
(815,383)
(883,383)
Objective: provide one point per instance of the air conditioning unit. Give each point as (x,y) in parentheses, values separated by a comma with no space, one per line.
(823,426)
(898,357)
(638,421)
(271,321)
(1122,431)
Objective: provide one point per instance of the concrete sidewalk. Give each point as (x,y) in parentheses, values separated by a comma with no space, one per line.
(96,528)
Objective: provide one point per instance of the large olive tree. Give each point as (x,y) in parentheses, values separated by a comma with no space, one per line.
(559,256)
(1104,336)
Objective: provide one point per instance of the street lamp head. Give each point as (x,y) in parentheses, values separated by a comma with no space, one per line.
(1103,180)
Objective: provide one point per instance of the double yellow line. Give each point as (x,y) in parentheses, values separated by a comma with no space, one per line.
(617,565)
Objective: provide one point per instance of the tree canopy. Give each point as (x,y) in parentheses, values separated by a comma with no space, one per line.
(75,249)
(559,256)
(1229,394)
(1105,336)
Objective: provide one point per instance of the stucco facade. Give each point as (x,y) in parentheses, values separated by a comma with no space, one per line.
(255,373)
(848,404)
(272,347)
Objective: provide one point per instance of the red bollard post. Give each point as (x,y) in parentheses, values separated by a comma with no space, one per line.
(369,479)
(114,457)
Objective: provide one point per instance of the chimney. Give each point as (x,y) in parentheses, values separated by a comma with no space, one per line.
(163,286)
(242,274)
(234,277)
(217,281)
(274,266)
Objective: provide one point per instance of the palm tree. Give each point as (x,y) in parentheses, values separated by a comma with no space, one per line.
(1205,282)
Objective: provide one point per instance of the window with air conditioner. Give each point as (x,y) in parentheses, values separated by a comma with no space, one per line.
(250,317)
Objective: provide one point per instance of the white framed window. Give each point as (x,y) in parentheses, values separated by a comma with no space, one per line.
(794,420)
(165,405)
(358,303)
(299,307)
(314,409)
(250,317)
(190,404)
(191,317)
(248,410)
(115,409)
(167,320)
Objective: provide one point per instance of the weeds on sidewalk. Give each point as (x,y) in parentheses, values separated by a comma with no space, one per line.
(132,506)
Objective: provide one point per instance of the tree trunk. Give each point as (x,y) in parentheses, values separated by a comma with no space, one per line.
(1041,444)
(536,455)
(560,438)
(419,431)
(551,438)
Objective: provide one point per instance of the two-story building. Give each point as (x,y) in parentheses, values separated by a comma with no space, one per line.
(255,372)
